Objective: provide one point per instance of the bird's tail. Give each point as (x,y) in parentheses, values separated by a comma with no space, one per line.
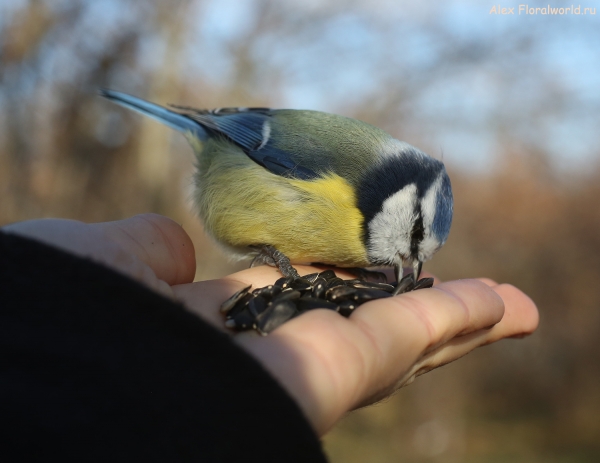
(174,120)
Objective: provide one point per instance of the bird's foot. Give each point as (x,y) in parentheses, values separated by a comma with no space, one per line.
(271,256)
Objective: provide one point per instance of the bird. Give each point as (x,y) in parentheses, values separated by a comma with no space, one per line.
(290,186)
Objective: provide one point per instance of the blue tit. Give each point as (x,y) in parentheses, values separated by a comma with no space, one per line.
(311,186)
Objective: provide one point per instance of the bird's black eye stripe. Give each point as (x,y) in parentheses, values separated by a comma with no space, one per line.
(391,175)
(418,232)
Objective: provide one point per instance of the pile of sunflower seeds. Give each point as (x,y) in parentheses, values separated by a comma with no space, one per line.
(264,309)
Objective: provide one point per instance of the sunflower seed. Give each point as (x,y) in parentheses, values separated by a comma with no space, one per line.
(267,292)
(340,293)
(244,320)
(310,303)
(229,303)
(240,305)
(405,285)
(334,282)
(284,282)
(328,275)
(347,307)
(301,284)
(423,283)
(289,294)
(365,295)
(257,305)
(275,315)
(311,277)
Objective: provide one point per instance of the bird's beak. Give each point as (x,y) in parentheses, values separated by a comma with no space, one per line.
(402,286)
(399,271)
(417,266)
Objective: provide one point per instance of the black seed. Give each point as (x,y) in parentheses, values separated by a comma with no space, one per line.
(309,303)
(268,308)
(320,280)
(267,292)
(368,275)
(287,295)
(319,288)
(405,285)
(376,277)
(284,282)
(257,305)
(340,293)
(240,305)
(244,320)
(347,307)
(275,315)
(311,277)
(335,282)
(327,275)
(360,284)
(300,284)
(229,303)
(364,295)
(423,283)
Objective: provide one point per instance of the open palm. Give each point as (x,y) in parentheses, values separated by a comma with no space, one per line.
(329,364)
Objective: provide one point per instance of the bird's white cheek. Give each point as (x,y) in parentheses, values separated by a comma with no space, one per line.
(390,229)
(427,248)
(428,204)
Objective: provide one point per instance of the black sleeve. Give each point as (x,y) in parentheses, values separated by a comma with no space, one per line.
(95,367)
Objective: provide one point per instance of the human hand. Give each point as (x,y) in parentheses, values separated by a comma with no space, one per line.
(327,363)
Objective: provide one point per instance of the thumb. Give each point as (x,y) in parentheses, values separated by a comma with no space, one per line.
(145,247)
(158,241)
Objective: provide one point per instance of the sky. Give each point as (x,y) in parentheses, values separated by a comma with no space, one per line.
(339,65)
(567,50)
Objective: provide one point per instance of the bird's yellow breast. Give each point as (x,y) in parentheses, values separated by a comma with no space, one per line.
(243,204)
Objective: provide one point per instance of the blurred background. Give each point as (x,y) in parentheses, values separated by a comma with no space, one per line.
(511,103)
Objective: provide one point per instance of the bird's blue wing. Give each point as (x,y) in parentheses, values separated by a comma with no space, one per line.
(249,128)
(281,163)
(243,126)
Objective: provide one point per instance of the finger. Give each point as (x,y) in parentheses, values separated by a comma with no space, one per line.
(488,281)
(157,241)
(204,298)
(70,235)
(78,238)
(329,363)
(91,241)
(430,317)
(521,316)
(445,311)
(520,319)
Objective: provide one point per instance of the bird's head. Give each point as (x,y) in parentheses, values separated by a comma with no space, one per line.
(406,199)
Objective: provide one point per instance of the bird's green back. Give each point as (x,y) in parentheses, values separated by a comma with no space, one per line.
(326,142)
